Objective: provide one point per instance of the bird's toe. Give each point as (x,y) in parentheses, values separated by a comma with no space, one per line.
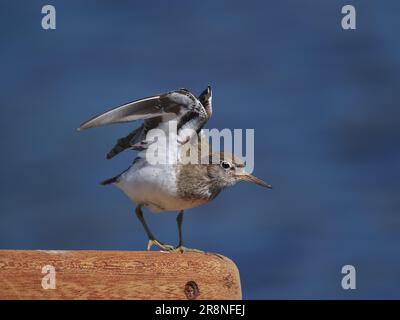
(161,246)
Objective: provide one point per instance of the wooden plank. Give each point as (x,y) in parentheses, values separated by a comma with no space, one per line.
(117,275)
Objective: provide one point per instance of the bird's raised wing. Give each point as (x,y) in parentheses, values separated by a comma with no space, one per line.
(180,105)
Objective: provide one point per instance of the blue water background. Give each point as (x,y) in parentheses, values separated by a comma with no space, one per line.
(324,104)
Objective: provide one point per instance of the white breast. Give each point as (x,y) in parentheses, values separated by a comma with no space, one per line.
(153,186)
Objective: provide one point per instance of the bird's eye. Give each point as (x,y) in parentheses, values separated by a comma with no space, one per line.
(225,164)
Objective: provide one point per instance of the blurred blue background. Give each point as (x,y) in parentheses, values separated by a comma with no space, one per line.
(324,104)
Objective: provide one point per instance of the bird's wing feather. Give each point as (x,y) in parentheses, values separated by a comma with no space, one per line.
(180,105)
(126,142)
(175,103)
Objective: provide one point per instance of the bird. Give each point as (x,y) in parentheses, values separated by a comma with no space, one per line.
(175,186)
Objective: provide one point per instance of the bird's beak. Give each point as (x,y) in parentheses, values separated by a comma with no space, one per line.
(253,179)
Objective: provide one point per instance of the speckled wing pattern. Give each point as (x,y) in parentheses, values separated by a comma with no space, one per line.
(180,105)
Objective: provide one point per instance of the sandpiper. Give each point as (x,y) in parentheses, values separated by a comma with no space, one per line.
(177,186)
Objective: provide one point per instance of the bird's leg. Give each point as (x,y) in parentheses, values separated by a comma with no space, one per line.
(179,220)
(152,239)
(180,248)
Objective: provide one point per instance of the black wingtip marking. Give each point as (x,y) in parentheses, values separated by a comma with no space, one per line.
(206,94)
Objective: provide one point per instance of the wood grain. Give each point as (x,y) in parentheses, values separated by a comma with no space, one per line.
(118,275)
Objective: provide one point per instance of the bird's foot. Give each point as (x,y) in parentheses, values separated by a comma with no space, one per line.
(161,246)
(182,249)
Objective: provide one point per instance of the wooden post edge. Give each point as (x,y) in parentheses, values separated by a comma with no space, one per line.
(90,274)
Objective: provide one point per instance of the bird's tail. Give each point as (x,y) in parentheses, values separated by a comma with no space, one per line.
(110,181)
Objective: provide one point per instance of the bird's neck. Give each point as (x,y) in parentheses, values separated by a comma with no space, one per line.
(195,181)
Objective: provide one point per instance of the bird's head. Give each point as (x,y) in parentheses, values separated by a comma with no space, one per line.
(230,169)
